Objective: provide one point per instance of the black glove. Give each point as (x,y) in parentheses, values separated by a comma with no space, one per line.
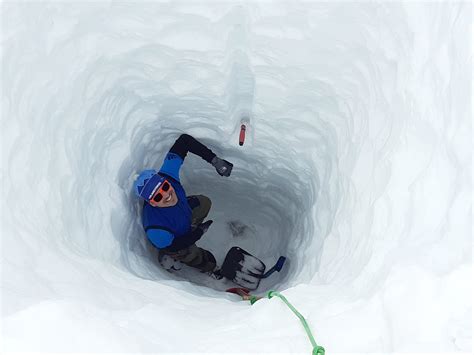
(223,167)
(205,226)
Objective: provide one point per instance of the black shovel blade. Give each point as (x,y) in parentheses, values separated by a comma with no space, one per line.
(243,268)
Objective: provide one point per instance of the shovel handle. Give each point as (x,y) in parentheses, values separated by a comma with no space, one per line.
(276,267)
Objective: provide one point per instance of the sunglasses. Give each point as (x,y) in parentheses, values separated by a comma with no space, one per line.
(158,196)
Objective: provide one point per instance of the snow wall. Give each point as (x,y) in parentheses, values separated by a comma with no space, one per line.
(356,166)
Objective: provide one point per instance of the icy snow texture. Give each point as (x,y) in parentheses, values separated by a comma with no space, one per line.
(357,167)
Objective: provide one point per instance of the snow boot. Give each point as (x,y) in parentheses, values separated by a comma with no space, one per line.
(168,263)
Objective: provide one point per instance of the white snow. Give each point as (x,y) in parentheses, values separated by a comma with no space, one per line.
(357,167)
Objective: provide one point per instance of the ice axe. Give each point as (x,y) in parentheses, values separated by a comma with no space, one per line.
(244,293)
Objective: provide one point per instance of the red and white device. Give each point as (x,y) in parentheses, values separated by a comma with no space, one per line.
(242,135)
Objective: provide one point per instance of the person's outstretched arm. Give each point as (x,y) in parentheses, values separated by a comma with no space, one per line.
(184,144)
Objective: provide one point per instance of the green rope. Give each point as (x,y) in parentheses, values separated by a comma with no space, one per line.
(317,350)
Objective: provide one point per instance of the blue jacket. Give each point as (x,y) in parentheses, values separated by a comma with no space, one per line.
(170,227)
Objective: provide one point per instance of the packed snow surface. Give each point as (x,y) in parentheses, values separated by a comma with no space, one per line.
(356,167)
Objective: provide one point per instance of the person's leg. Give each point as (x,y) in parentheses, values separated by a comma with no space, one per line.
(202,210)
(200,258)
(195,257)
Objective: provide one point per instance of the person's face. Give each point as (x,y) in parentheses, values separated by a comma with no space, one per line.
(165,196)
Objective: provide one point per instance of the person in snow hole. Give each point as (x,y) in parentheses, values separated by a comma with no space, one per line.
(173,222)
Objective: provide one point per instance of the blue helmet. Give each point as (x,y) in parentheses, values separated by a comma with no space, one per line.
(146,182)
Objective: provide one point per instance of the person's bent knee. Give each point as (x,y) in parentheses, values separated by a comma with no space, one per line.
(205,203)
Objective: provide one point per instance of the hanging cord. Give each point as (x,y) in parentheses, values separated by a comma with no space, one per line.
(317,350)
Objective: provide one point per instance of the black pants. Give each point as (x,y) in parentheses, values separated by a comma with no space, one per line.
(193,255)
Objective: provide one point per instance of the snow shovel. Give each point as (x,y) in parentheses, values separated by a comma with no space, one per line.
(245,269)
